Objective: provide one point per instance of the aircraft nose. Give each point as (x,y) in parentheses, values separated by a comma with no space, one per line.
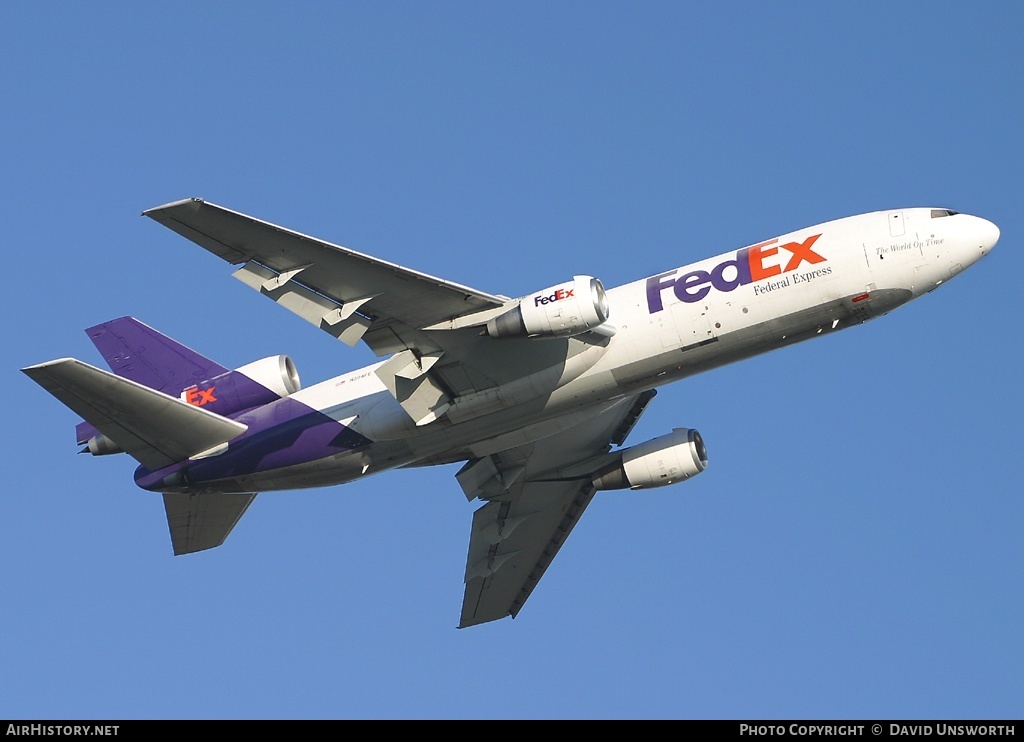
(988,235)
(978,239)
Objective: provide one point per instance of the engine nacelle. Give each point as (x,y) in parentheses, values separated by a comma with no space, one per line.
(564,310)
(276,373)
(254,384)
(100,445)
(666,459)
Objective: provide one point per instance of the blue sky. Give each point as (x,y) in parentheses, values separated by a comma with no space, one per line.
(854,549)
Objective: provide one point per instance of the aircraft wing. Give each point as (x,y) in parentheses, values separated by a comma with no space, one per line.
(536,495)
(345,293)
(430,327)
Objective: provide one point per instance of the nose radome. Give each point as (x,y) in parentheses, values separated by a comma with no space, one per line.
(988,234)
(980,234)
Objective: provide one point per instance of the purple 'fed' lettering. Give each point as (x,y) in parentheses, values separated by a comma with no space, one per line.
(751,264)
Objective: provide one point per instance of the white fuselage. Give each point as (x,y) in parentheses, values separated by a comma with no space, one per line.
(675,324)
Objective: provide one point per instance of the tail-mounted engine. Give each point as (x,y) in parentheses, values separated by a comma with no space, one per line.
(254,384)
(664,460)
(564,310)
(232,392)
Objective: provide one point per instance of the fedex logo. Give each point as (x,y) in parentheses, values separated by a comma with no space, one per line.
(557,296)
(198,397)
(750,264)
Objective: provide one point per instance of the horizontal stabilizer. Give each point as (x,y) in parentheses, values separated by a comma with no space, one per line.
(155,429)
(199,522)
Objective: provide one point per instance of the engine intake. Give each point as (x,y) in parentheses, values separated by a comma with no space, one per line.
(252,385)
(261,382)
(664,460)
(564,310)
(276,373)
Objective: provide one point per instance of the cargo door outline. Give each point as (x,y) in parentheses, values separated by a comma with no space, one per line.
(897,226)
(693,323)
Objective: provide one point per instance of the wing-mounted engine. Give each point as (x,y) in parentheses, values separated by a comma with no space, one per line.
(564,310)
(660,461)
(415,375)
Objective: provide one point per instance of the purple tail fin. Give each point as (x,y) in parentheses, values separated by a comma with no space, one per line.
(140,353)
(137,352)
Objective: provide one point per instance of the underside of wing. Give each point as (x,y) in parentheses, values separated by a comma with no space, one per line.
(350,295)
(536,495)
(512,545)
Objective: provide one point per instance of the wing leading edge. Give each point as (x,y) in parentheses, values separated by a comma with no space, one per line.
(347,294)
(536,496)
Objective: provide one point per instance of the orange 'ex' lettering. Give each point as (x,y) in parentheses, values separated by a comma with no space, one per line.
(199,397)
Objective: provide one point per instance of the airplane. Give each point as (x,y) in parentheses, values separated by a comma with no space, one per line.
(533,396)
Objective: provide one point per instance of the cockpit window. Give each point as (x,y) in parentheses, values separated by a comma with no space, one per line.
(936,213)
